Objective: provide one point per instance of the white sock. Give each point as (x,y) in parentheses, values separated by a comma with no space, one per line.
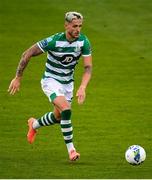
(36,124)
(70,147)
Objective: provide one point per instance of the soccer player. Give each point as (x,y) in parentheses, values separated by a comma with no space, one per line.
(63,52)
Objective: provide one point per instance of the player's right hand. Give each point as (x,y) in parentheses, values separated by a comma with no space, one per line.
(14,85)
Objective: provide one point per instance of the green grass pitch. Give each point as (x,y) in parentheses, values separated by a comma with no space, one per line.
(118,109)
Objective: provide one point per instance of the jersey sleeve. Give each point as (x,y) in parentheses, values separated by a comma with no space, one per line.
(46,44)
(86,49)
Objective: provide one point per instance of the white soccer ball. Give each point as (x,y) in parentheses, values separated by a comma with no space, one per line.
(135,155)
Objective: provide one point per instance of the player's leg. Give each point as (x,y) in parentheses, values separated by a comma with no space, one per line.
(66,125)
(57,113)
(56,94)
(48,119)
(49,86)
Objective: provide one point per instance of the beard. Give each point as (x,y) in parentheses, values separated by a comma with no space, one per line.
(73,35)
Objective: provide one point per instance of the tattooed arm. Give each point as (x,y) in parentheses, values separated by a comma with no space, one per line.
(85,79)
(26,56)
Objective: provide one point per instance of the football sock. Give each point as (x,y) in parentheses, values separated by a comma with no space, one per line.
(66,128)
(46,120)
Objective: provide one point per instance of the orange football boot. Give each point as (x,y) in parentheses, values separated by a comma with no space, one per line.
(31,132)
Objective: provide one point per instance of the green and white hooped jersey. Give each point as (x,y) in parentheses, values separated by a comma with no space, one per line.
(62,55)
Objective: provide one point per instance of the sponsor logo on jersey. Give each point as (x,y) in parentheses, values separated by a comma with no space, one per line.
(66,59)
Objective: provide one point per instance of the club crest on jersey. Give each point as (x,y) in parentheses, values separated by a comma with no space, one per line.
(44,43)
(77,49)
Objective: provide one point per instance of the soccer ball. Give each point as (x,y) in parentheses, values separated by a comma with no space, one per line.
(135,155)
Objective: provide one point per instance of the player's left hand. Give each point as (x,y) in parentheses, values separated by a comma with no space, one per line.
(81,95)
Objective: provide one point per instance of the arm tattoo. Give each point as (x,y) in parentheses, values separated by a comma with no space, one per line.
(33,51)
(23,63)
(88,69)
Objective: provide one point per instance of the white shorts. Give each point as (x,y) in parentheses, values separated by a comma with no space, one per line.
(52,88)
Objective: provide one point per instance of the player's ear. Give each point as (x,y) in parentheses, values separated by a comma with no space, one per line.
(65,25)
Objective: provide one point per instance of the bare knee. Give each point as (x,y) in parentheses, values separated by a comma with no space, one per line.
(61,103)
